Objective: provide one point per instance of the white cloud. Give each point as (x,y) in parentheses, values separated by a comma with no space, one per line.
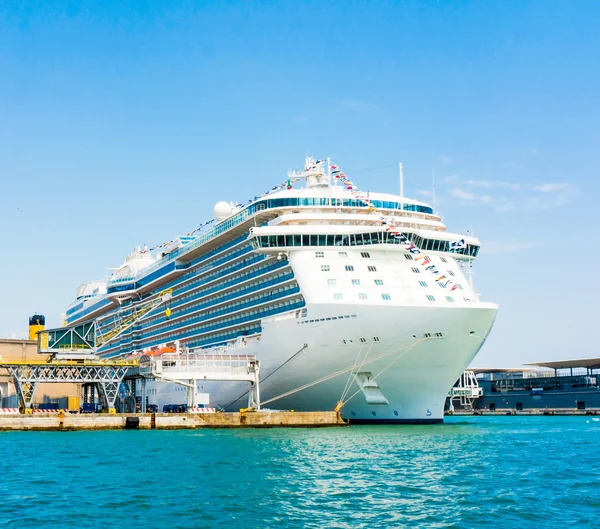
(451,178)
(497,247)
(549,188)
(424,193)
(503,196)
(492,183)
(466,196)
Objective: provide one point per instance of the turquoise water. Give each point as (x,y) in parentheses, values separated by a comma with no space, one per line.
(516,472)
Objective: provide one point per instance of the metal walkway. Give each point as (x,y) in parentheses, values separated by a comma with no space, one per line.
(104,375)
(466,389)
(187,369)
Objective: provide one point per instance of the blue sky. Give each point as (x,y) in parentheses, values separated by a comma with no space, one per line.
(123,123)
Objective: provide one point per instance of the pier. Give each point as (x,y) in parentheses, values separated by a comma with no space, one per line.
(64,421)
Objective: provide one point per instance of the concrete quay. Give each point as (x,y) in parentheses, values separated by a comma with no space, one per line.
(170,421)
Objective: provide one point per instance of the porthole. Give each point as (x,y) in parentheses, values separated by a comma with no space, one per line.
(472,333)
(395,413)
(374,414)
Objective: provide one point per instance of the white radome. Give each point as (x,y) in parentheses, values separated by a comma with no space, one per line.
(222,210)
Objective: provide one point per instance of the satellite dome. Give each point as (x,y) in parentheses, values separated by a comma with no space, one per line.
(222,210)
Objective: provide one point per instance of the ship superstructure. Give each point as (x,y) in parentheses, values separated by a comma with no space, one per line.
(313,279)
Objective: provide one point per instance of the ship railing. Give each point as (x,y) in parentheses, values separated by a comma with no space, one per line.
(235,364)
(236,219)
(127,279)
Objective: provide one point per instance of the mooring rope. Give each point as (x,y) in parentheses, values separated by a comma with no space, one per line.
(271,373)
(350,375)
(338,373)
(349,381)
(381,372)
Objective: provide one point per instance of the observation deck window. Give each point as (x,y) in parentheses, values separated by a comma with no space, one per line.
(359,239)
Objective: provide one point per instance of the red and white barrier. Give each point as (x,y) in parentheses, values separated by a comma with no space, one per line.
(202,410)
(9,411)
(49,411)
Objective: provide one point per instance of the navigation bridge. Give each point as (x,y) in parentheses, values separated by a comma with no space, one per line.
(187,369)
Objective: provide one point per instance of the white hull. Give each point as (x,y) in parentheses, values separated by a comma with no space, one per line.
(413,374)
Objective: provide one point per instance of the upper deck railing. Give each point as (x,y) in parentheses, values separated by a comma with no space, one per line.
(273,203)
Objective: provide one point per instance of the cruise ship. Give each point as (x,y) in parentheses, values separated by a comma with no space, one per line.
(345,296)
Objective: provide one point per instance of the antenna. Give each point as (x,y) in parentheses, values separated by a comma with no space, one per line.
(329,178)
(401,176)
(433,192)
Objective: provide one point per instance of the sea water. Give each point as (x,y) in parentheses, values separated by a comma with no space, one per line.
(473,472)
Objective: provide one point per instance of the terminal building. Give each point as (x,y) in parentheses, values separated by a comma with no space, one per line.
(566,385)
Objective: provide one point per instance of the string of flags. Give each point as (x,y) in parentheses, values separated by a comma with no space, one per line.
(287,185)
(339,175)
(396,233)
(418,255)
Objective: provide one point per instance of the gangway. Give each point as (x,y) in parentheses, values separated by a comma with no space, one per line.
(84,339)
(466,389)
(186,369)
